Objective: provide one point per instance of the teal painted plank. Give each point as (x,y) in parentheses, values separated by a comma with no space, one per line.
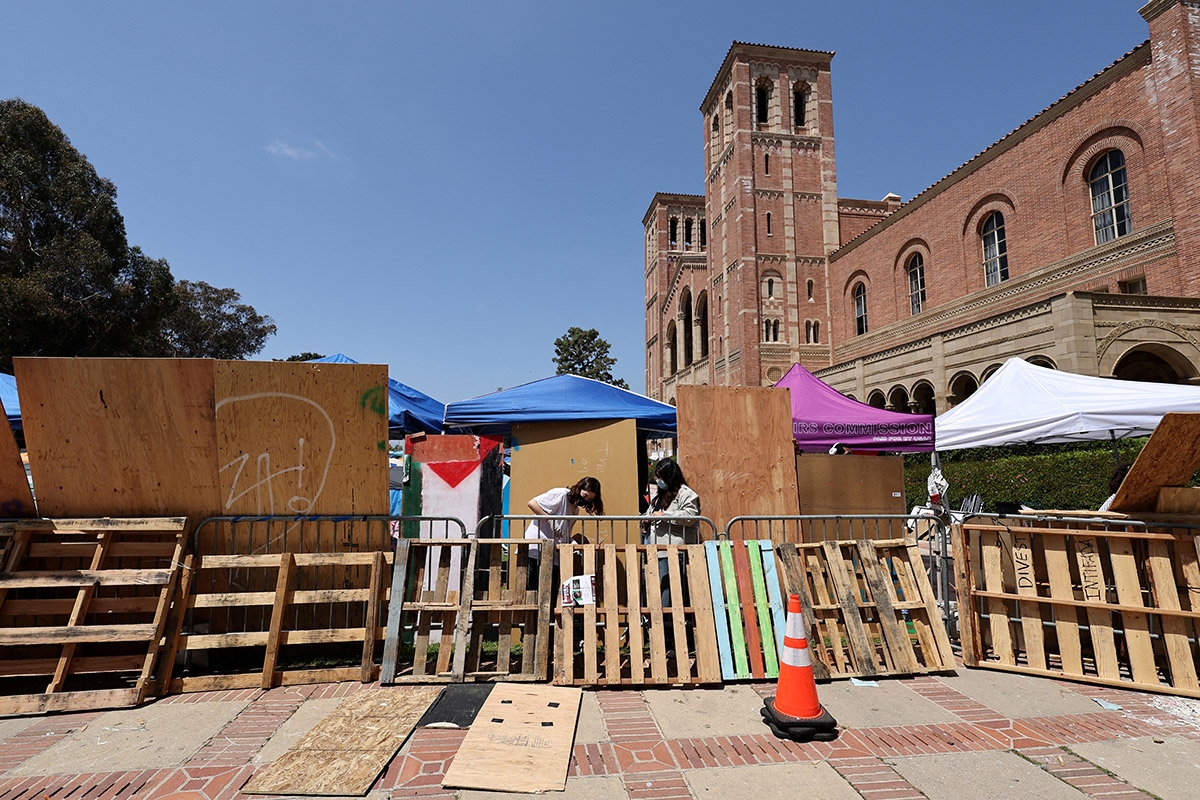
(713,559)
(738,637)
(771,575)
(762,611)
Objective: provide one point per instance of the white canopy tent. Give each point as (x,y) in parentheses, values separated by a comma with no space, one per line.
(1022,403)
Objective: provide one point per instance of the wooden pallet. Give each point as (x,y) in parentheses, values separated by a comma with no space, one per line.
(235,623)
(621,639)
(747,607)
(869,609)
(1108,604)
(454,599)
(83,608)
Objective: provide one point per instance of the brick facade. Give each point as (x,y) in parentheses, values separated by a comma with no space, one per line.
(782,247)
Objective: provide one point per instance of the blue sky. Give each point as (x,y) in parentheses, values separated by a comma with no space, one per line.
(447,187)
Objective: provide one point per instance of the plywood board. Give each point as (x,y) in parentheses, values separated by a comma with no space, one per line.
(1170,458)
(301,438)
(16,500)
(520,741)
(735,446)
(850,484)
(120,437)
(346,751)
(550,454)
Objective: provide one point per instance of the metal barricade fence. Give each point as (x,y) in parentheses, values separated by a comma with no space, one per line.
(932,536)
(615,529)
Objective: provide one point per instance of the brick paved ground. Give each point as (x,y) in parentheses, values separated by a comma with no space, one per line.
(635,751)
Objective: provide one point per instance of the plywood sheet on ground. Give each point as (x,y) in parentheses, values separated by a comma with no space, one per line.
(850,484)
(301,438)
(15,498)
(120,437)
(735,446)
(1170,458)
(550,454)
(346,751)
(520,741)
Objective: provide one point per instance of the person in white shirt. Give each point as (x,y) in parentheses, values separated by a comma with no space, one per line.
(559,502)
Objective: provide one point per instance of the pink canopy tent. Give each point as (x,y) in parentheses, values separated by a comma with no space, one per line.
(822,417)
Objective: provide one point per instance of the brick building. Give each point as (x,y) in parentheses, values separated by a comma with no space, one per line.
(1074,241)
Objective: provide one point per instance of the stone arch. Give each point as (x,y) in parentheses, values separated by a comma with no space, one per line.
(1156,362)
(876,399)
(962,385)
(924,398)
(897,399)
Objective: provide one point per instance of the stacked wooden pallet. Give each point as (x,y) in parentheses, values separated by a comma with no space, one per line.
(1111,603)
(83,609)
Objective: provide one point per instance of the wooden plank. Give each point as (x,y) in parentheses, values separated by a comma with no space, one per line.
(762,610)
(161,616)
(84,577)
(67,701)
(792,568)
(591,673)
(612,616)
(285,583)
(80,665)
(1066,624)
(633,594)
(467,594)
(520,741)
(63,634)
(678,616)
(708,665)
(964,582)
(82,599)
(1135,624)
(91,525)
(720,610)
(993,580)
(545,598)
(1169,458)
(731,477)
(1177,633)
(745,596)
(774,597)
(372,616)
(1091,577)
(862,651)
(16,498)
(895,633)
(345,752)
(1030,613)
(155,413)
(658,644)
(939,652)
(174,626)
(737,638)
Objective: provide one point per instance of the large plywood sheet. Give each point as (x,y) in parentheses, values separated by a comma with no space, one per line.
(1170,458)
(120,437)
(301,438)
(15,498)
(850,484)
(735,448)
(550,454)
(520,741)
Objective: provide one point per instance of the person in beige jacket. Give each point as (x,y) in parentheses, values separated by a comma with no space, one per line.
(672,520)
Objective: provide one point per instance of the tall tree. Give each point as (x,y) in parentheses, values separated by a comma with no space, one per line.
(210,323)
(584,353)
(70,284)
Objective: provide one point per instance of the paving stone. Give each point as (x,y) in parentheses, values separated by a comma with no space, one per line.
(695,713)
(1170,770)
(1016,696)
(889,703)
(772,782)
(994,775)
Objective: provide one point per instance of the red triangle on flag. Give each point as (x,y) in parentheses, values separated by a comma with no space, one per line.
(452,472)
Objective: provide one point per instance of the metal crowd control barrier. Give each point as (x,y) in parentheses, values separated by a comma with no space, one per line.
(932,536)
(629,526)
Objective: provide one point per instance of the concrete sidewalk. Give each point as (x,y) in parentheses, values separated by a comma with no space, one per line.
(980,734)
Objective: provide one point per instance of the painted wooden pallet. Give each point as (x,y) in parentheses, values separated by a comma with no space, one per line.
(869,609)
(83,607)
(237,621)
(622,638)
(1111,604)
(747,607)
(463,612)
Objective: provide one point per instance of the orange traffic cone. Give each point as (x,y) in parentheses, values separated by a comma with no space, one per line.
(795,712)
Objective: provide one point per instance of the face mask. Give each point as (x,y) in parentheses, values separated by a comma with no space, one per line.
(661,484)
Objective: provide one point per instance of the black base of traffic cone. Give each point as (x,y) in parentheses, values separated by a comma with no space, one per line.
(821,728)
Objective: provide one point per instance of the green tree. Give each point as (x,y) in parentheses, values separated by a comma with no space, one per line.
(584,353)
(210,323)
(70,284)
(305,356)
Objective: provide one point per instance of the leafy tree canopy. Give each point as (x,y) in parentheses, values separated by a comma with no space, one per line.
(306,356)
(584,353)
(70,284)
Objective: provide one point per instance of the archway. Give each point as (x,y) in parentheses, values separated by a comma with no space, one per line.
(962,386)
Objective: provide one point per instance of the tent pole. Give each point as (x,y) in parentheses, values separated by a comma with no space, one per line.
(1116,452)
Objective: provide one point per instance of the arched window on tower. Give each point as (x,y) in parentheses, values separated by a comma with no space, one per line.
(860,309)
(685,310)
(687,234)
(762,102)
(1110,197)
(800,105)
(672,350)
(702,322)
(995,250)
(768,223)
(916,283)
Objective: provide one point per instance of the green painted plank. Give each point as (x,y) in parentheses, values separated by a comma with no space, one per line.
(763,610)
(734,606)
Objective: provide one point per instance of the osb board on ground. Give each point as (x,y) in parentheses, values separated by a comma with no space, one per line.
(520,741)
(120,437)
(15,498)
(550,454)
(1170,458)
(735,446)
(345,752)
(301,438)
(850,484)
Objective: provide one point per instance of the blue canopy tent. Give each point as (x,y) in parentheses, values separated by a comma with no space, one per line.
(560,398)
(12,404)
(409,411)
